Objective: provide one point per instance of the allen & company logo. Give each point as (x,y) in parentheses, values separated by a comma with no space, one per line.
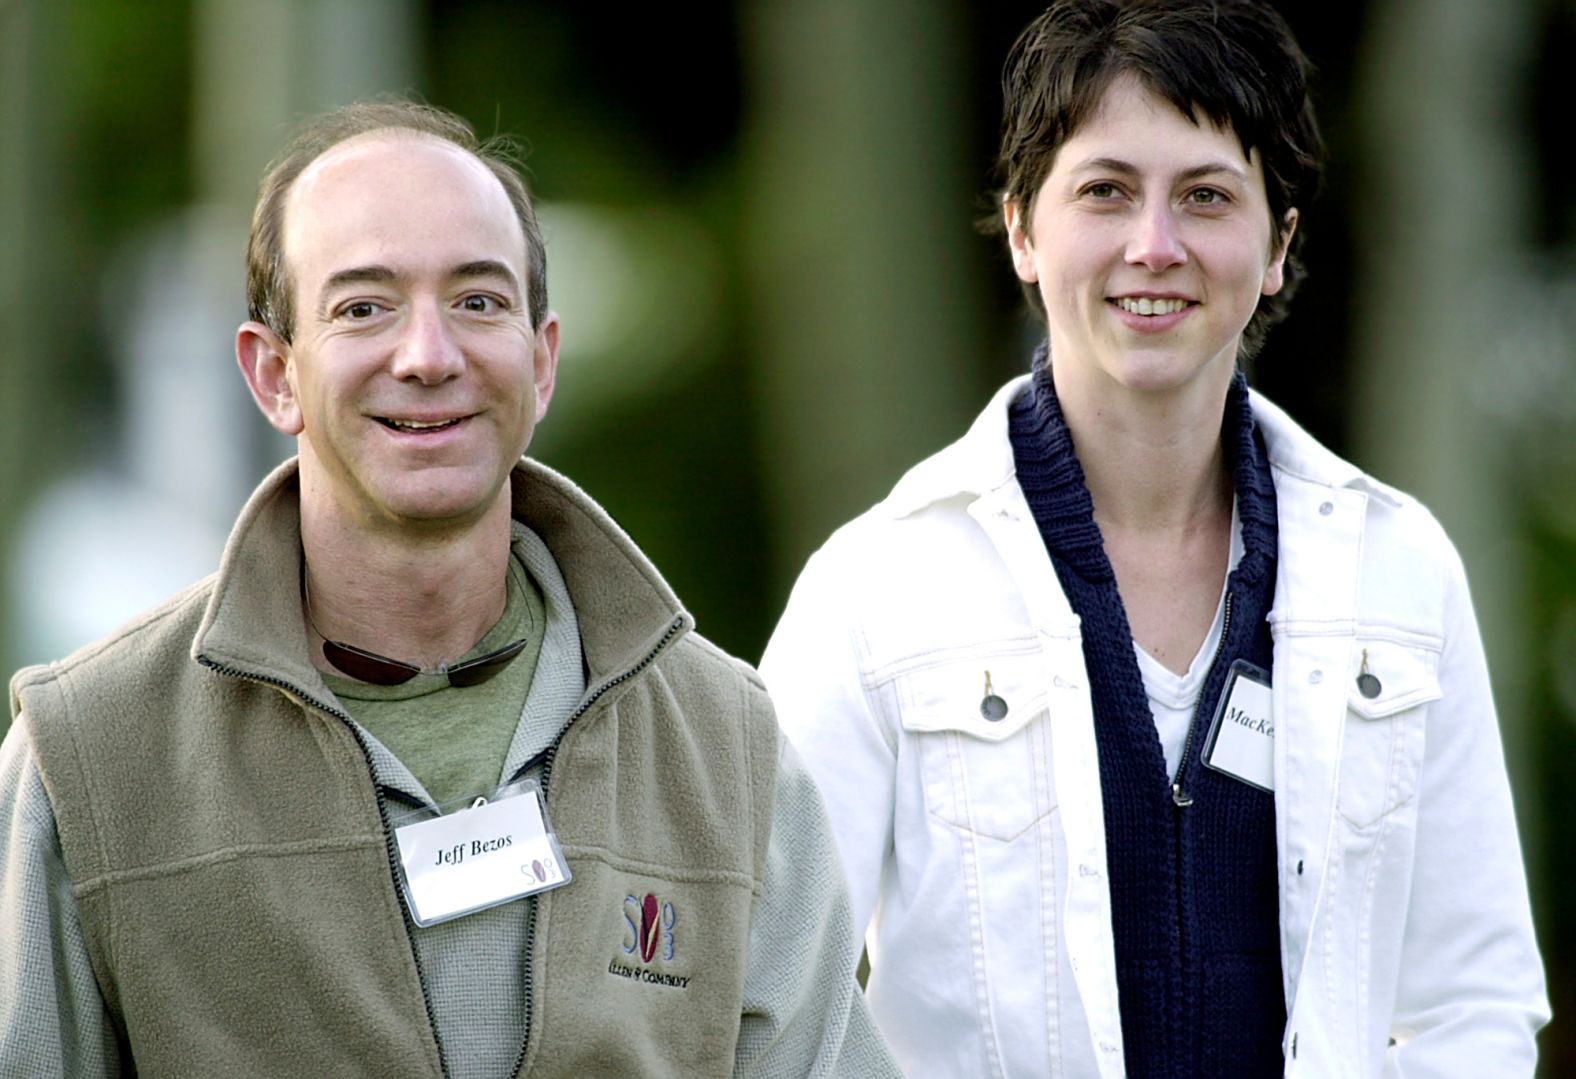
(649,936)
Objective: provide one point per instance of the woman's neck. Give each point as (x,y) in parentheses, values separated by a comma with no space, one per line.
(1153,462)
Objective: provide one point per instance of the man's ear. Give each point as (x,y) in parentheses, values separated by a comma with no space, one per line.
(1018,240)
(270,375)
(544,362)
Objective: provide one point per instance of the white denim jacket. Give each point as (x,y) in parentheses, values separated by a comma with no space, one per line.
(975,849)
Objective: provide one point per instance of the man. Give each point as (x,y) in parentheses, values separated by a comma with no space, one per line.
(554,836)
(1157,738)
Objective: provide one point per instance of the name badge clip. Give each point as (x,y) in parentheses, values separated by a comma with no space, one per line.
(477,853)
(1241,740)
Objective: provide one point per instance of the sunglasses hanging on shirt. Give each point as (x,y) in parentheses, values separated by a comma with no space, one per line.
(378,670)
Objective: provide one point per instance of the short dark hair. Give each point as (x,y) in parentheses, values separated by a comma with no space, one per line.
(1233,60)
(269,296)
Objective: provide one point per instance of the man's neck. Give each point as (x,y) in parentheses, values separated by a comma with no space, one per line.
(422,597)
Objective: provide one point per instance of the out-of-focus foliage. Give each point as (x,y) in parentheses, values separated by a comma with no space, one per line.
(759,222)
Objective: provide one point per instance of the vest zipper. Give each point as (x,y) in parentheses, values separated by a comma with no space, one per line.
(546,757)
(383,816)
(1179,795)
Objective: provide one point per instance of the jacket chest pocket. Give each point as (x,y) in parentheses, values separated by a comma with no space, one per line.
(1389,689)
(980,727)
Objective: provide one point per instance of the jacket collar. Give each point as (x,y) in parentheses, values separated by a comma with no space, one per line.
(981,461)
(252,625)
(1294,450)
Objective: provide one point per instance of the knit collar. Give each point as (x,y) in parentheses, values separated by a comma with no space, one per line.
(1052,478)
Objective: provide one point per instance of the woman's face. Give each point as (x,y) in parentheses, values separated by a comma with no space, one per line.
(1150,242)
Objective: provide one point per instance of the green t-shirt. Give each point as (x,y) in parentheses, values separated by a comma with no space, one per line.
(455,740)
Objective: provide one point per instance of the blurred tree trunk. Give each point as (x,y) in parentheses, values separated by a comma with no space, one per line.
(860,260)
(30,154)
(184,428)
(1443,240)
(261,66)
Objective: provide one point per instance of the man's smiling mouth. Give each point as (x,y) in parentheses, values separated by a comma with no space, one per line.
(417,426)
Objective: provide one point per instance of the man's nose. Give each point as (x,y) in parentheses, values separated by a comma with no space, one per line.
(428,351)
(1156,240)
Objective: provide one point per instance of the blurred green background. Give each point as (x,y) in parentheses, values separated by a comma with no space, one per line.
(760,236)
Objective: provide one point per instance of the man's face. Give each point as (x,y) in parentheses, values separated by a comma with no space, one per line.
(1150,242)
(415,378)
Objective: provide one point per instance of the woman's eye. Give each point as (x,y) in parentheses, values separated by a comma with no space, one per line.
(1206,196)
(1101,190)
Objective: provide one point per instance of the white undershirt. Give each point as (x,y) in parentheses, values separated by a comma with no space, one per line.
(1172,697)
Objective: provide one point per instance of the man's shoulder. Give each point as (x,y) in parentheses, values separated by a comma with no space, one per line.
(708,667)
(134,655)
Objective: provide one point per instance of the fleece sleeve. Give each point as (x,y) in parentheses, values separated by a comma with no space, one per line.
(813,669)
(804,1015)
(52,1018)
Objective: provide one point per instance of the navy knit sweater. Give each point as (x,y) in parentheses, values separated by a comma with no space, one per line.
(1194,907)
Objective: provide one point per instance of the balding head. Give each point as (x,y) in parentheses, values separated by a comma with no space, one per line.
(269,288)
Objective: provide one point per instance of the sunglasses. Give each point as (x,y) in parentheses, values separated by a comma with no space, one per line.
(383,671)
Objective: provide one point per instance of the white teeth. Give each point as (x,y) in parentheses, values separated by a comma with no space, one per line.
(416,425)
(1143,305)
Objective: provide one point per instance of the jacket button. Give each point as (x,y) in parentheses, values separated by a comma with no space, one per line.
(1326,508)
(1315,677)
(992,707)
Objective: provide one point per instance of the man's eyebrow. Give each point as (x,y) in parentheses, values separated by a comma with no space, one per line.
(360,275)
(1125,168)
(383,275)
(486,268)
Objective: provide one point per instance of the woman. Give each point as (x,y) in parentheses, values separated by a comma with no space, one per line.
(1155,735)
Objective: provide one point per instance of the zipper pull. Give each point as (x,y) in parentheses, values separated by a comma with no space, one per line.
(1179,796)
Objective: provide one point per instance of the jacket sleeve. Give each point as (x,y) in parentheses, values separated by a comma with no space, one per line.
(53,1022)
(1471,986)
(803,1012)
(812,668)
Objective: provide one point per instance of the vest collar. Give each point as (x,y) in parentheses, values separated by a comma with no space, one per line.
(252,625)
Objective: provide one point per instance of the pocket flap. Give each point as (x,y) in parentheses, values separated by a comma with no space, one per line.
(1402,676)
(953,696)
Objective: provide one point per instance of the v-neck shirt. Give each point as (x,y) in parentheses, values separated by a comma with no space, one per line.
(1174,697)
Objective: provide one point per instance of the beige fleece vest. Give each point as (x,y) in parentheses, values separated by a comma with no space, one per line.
(232,870)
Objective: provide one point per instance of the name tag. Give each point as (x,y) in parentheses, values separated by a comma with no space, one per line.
(1241,739)
(480,856)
